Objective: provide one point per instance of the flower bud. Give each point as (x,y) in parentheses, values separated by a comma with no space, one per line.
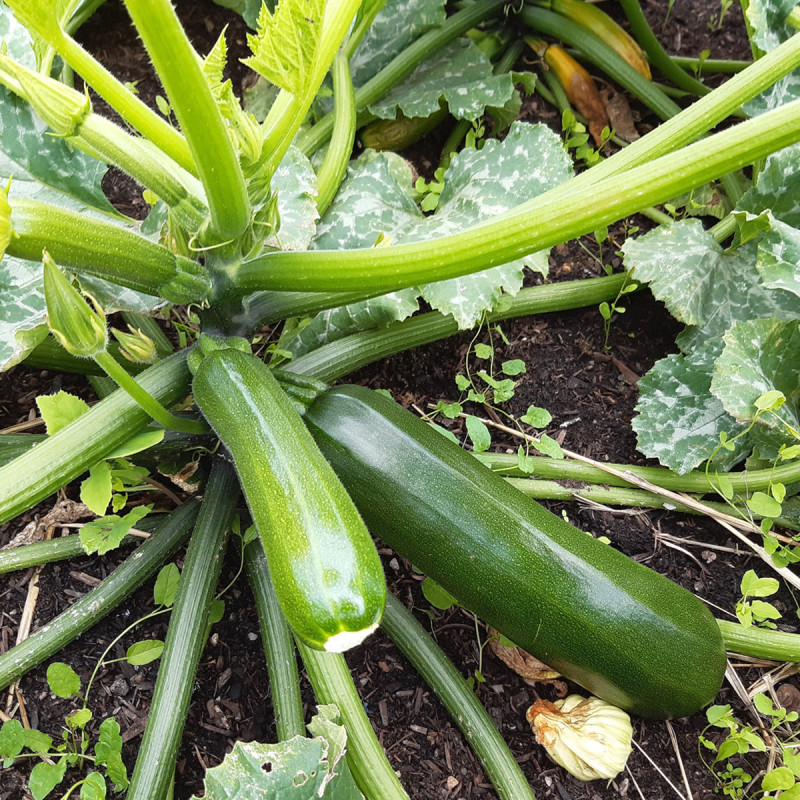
(80,330)
(589,737)
(64,109)
(136,346)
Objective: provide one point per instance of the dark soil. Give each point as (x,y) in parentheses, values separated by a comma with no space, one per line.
(591,392)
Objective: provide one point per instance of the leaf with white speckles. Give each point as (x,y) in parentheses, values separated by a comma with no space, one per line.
(460,75)
(679,421)
(703,285)
(760,356)
(377,200)
(766,22)
(297,769)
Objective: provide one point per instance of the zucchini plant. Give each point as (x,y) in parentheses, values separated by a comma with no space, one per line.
(252,225)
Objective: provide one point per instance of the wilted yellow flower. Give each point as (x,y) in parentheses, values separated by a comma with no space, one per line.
(589,737)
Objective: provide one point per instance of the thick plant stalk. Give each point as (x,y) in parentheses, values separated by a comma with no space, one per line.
(451,688)
(186,638)
(760,643)
(40,16)
(279,649)
(554,218)
(189,93)
(64,456)
(334,166)
(335,360)
(656,53)
(94,605)
(33,555)
(332,683)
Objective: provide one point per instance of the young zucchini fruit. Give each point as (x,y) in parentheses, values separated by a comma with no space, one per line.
(620,630)
(324,565)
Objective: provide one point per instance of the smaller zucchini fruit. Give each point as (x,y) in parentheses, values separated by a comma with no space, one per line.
(324,565)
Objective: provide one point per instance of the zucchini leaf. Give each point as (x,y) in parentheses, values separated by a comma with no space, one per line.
(377,204)
(681,411)
(767,28)
(760,355)
(460,74)
(298,769)
(285,45)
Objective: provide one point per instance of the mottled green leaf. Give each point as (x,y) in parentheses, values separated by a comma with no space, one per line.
(298,769)
(703,285)
(336,323)
(766,23)
(394,28)
(679,421)
(296,184)
(459,75)
(777,187)
(759,356)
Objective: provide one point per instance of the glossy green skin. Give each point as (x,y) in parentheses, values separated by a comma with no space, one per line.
(323,562)
(617,628)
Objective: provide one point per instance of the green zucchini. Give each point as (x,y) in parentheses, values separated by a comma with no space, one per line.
(617,628)
(324,565)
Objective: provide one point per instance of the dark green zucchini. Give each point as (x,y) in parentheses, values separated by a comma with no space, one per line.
(606,622)
(327,574)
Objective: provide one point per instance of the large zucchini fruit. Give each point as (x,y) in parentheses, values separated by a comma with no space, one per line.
(620,630)
(323,562)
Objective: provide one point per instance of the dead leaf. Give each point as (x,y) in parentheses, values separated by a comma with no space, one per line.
(524,664)
(619,113)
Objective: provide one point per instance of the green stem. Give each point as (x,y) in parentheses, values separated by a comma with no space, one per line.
(551,219)
(600,54)
(403,65)
(760,643)
(288,111)
(449,686)
(66,454)
(279,647)
(34,555)
(617,496)
(366,16)
(693,482)
(189,93)
(41,18)
(186,638)
(335,360)
(334,166)
(793,19)
(160,414)
(332,683)
(711,66)
(656,54)
(105,597)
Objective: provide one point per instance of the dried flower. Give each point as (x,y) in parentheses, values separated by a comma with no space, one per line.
(589,737)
